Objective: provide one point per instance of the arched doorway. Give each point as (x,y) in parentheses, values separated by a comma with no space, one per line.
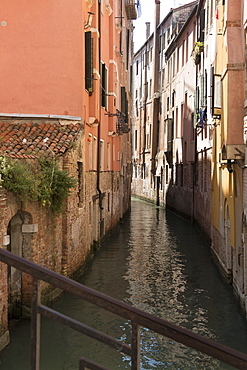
(20,230)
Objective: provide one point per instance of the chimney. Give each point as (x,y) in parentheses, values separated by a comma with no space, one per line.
(147,30)
(157,13)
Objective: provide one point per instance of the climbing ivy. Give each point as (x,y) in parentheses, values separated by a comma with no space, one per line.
(44,183)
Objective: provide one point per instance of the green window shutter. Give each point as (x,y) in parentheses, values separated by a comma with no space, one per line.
(202,91)
(196,105)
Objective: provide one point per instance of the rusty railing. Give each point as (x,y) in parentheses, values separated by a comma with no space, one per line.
(137,317)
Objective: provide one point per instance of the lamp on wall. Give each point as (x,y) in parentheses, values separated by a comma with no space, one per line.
(111,133)
(89,20)
(93,122)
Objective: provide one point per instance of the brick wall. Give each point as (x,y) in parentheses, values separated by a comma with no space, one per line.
(63,242)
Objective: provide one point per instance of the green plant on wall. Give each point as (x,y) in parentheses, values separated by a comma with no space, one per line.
(18,177)
(45,183)
(55,185)
(196,53)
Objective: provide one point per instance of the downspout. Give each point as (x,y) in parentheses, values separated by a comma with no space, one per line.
(155,100)
(99,125)
(121,24)
(144,115)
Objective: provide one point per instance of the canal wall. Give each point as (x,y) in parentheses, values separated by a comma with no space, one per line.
(63,242)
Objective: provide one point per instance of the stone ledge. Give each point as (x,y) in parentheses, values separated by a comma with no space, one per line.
(4,340)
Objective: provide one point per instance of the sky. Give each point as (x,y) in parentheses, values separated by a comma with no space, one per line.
(147,8)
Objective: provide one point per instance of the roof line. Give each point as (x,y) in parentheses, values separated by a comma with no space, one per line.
(52,116)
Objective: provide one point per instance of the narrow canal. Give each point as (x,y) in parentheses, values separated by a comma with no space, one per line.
(159,263)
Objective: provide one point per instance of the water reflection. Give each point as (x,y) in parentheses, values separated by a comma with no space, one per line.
(159,263)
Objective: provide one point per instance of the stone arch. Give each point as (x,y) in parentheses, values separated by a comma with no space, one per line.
(18,245)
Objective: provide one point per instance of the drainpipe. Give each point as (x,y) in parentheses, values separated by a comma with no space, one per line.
(121,25)
(155,99)
(99,125)
(145,115)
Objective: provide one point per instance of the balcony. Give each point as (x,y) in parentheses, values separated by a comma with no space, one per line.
(122,123)
(131,9)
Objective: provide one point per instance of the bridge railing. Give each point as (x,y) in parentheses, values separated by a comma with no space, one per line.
(137,317)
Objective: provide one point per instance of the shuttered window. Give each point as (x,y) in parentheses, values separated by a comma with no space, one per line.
(203,90)
(88,62)
(216,93)
(196,105)
(104,85)
(202,25)
(124,104)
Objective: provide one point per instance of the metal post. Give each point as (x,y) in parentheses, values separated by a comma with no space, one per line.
(35,327)
(135,347)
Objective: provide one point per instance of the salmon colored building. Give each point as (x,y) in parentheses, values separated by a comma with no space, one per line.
(65,94)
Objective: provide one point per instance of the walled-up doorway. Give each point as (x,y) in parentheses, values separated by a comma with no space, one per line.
(20,230)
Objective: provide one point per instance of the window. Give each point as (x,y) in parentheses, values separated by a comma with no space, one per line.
(187,48)
(124,104)
(151,54)
(88,62)
(173,98)
(135,148)
(104,85)
(202,25)
(127,47)
(196,105)
(109,156)
(163,79)
(216,93)
(95,153)
(203,89)
(108,202)
(183,51)
(90,212)
(90,152)
(177,124)
(182,120)
(101,155)
(80,183)
(173,65)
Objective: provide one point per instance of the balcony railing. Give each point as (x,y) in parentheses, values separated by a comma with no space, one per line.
(131,9)
(137,317)
(122,126)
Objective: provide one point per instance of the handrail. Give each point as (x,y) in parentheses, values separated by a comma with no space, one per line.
(136,316)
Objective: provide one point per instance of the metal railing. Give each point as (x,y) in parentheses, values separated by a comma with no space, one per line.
(137,317)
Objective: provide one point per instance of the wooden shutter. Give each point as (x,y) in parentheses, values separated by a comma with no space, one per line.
(88,62)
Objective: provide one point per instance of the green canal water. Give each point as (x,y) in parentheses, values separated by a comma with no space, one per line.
(157,262)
